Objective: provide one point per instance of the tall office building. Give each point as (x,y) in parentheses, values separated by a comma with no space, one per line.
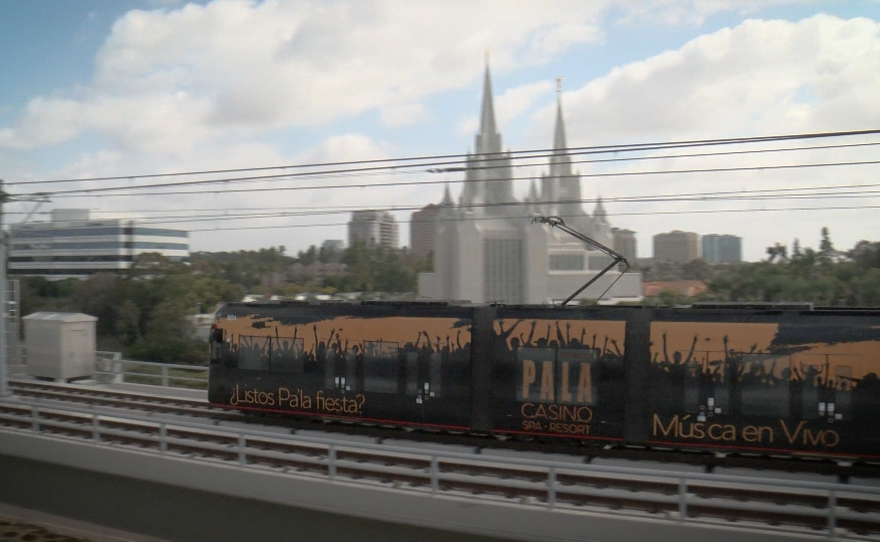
(722,248)
(421,229)
(625,243)
(74,245)
(373,228)
(486,248)
(676,246)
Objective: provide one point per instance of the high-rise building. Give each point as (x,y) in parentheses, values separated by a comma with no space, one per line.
(625,243)
(373,228)
(421,230)
(74,245)
(486,248)
(722,248)
(676,246)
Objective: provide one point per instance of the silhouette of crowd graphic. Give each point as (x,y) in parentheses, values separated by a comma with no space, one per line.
(782,381)
(779,380)
(355,363)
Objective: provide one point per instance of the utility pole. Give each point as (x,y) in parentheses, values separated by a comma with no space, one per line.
(4,343)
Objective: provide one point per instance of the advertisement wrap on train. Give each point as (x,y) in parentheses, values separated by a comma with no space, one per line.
(796,381)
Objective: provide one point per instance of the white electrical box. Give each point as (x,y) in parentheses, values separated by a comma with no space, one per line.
(60,345)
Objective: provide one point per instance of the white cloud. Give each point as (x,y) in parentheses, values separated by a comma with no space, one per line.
(690,12)
(467,125)
(299,216)
(757,78)
(173,78)
(515,101)
(404,115)
(509,105)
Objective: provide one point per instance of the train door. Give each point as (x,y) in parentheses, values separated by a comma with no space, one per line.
(826,385)
(341,369)
(415,386)
(382,368)
(423,384)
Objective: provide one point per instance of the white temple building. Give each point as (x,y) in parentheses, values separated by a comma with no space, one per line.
(486,248)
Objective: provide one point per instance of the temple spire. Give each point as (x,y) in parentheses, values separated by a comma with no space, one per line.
(599,212)
(533,192)
(559,134)
(447,196)
(488,140)
(562,185)
(560,161)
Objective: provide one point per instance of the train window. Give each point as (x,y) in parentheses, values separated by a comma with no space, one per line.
(380,366)
(412,373)
(693,400)
(253,353)
(812,376)
(216,352)
(535,374)
(330,369)
(286,355)
(764,385)
(718,373)
(351,358)
(575,381)
(435,372)
(843,386)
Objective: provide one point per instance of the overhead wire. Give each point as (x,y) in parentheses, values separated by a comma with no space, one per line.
(485,218)
(89,192)
(398,164)
(574,150)
(777,194)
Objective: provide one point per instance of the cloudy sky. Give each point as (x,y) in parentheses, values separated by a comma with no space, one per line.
(110,92)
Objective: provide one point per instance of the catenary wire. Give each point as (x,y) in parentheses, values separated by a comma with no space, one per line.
(615,148)
(529,217)
(851,191)
(89,192)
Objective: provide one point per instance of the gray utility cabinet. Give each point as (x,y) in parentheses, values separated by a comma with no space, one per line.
(60,345)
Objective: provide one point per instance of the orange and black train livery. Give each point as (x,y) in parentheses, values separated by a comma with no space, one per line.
(767,379)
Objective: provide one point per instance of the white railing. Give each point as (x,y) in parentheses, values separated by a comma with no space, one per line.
(840,510)
(111,368)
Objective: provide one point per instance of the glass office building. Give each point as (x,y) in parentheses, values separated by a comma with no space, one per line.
(73,245)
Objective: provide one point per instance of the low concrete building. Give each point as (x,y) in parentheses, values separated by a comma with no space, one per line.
(60,345)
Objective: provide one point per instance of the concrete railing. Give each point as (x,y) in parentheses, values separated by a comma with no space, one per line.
(845,511)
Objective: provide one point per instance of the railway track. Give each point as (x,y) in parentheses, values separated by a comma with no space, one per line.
(176,406)
(129,420)
(80,395)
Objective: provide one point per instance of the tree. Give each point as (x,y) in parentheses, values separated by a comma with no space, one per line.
(99,296)
(308,257)
(865,254)
(697,270)
(826,248)
(777,251)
